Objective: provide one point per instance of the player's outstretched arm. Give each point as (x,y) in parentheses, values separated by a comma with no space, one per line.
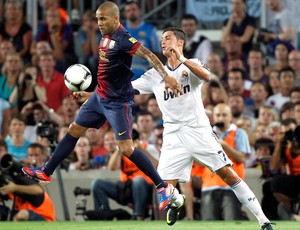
(170,82)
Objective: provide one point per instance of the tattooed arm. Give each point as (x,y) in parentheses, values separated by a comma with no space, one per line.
(170,82)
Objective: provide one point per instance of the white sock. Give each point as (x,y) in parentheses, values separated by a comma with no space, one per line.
(177,199)
(247,198)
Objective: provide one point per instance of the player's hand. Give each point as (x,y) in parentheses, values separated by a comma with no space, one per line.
(174,85)
(80,96)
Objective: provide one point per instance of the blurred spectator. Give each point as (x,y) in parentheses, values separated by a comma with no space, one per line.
(258,96)
(4,117)
(233,50)
(274,82)
(287,111)
(236,83)
(89,36)
(297,112)
(140,104)
(280,27)
(294,63)
(41,46)
(286,187)
(197,45)
(264,148)
(143,32)
(145,125)
(15,29)
(95,137)
(3,148)
(48,4)
(214,63)
(256,63)
(241,24)
(246,123)
(82,155)
(35,155)
(36,114)
(153,108)
(17,144)
(266,115)
(273,129)
(213,93)
(287,82)
(6,48)
(110,144)
(218,201)
(295,94)
(27,90)
(30,201)
(238,108)
(51,80)
(59,35)
(134,186)
(281,56)
(260,130)
(69,109)
(11,71)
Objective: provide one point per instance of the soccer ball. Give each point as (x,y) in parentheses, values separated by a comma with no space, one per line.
(78,77)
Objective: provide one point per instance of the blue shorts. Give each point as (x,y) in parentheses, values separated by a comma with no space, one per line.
(96,111)
(34,216)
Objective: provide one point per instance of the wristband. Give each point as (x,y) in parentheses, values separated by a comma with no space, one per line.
(182,59)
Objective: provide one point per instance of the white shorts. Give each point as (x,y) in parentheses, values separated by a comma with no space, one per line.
(181,148)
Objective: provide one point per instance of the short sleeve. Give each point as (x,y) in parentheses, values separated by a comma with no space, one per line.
(129,44)
(144,83)
(242,141)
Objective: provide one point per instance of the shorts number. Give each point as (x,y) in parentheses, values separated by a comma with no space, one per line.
(224,155)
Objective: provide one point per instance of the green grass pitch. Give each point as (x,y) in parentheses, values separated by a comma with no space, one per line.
(144,225)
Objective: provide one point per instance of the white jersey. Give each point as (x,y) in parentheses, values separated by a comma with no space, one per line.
(186,110)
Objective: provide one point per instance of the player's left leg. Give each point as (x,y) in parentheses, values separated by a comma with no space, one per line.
(245,195)
(120,118)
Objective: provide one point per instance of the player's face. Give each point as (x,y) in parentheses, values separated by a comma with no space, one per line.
(106,21)
(168,40)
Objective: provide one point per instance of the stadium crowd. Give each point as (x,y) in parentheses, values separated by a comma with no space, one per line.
(253,104)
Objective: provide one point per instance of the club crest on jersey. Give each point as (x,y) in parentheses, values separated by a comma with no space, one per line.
(142,34)
(102,56)
(133,40)
(111,44)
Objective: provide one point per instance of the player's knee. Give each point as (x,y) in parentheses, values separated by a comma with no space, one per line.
(76,130)
(21,215)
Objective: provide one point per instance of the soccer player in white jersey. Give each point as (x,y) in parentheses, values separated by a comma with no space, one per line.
(188,135)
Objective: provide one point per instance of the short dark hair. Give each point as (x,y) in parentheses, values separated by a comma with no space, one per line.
(238,70)
(189,17)
(179,33)
(36,145)
(264,141)
(287,69)
(129,2)
(288,121)
(295,89)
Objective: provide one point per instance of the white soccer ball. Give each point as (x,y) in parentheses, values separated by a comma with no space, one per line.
(78,77)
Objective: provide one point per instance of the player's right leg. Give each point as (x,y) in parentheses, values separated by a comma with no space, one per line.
(64,148)
(245,195)
(90,115)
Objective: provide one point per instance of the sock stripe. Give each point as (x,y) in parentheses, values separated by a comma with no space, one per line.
(236,184)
